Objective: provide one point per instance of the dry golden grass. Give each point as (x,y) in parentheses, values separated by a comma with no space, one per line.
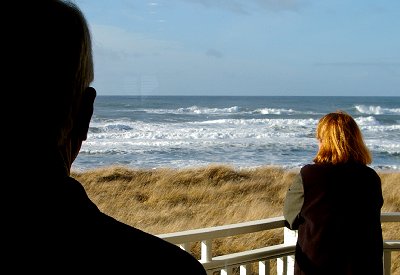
(170,200)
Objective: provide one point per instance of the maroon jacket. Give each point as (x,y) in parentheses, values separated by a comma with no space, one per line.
(339,229)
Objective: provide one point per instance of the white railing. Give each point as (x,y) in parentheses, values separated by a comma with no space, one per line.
(283,253)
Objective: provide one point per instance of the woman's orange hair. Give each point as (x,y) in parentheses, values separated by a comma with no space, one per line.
(340,140)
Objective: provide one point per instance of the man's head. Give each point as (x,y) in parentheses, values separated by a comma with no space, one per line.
(49,65)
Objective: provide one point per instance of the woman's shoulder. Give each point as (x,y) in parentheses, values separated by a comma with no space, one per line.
(308,166)
(314,167)
(338,170)
(360,167)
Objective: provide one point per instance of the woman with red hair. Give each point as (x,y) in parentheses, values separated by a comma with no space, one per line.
(335,204)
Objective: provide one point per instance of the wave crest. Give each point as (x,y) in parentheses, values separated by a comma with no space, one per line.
(376,110)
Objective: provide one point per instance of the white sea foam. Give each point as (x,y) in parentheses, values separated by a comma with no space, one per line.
(376,110)
(275,111)
(366,121)
(206,110)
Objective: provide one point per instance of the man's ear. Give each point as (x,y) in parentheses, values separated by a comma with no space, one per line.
(85,112)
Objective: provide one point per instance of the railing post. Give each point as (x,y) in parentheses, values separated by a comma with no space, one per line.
(285,265)
(184,246)
(227,271)
(206,251)
(264,267)
(245,269)
(281,266)
(387,262)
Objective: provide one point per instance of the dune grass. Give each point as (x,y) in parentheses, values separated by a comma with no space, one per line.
(168,200)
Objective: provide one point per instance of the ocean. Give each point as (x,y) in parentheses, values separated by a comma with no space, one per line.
(241,131)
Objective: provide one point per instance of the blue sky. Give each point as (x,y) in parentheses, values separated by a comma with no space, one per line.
(245,47)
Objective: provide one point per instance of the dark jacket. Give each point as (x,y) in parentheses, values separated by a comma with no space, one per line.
(54,228)
(338,221)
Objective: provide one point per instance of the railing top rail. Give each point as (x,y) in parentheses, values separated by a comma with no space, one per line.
(390,217)
(391,244)
(223,230)
(242,228)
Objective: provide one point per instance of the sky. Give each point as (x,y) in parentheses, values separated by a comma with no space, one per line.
(245,47)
